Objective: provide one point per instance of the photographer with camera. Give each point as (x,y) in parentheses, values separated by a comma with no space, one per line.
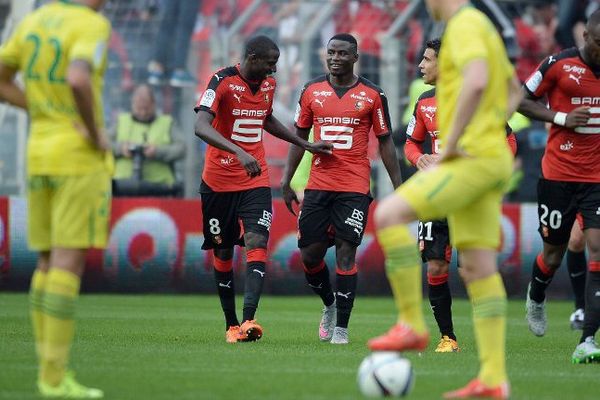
(145,148)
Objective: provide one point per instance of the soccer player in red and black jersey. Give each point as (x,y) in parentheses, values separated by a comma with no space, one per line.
(234,111)
(434,238)
(342,108)
(570,181)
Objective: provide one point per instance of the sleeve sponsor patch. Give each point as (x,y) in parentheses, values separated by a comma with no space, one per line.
(99,53)
(208,98)
(534,81)
(411,126)
(297,114)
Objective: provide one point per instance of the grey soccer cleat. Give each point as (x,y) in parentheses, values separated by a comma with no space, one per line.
(328,321)
(535,315)
(576,319)
(340,336)
(586,352)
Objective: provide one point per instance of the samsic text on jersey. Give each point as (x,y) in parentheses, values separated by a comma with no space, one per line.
(240,115)
(344,117)
(571,154)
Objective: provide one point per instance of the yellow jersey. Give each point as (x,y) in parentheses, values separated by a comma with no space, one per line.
(42,47)
(470,36)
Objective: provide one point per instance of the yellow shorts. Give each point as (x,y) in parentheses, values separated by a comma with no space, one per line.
(468,191)
(68,211)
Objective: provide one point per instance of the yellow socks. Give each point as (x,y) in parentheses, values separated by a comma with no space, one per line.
(36,295)
(62,289)
(403,268)
(488,299)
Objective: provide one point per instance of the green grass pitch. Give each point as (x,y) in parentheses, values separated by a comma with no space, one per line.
(172,347)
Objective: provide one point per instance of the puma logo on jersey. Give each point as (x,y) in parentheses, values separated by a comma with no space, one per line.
(575,78)
(598,211)
(226,285)
(261,273)
(551,60)
(218,77)
(238,97)
(430,117)
(344,295)
(320,102)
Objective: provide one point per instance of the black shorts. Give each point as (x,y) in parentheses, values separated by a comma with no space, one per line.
(227,215)
(326,215)
(434,240)
(558,204)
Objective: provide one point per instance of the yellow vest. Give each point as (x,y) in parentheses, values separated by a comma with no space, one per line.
(157,133)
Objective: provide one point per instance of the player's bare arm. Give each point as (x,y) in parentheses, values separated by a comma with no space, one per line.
(9,91)
(294,157)
(515,95)
(475,78)
(79,78)
(387,150)
(277,129)
(204,130)
(536,109)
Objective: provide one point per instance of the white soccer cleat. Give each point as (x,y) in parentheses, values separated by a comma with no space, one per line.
(535,315)
(340,336)
(576,319)
(586,352)
(328,321)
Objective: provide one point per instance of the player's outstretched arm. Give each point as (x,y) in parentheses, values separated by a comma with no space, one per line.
(387,150)
(204,130)
(9,91)
(277,129)
(475,78)
(295,154)
(534,108)
(79,79)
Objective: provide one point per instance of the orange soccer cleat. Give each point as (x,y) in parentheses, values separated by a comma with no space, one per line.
(251,330)
(477,390)
(400,337)
(234,334)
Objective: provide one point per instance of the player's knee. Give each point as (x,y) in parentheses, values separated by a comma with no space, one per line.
(577,242)
(437,267)
(254,240)
(392,210)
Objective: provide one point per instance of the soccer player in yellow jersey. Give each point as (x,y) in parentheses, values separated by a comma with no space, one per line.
(60,49)
(477,91)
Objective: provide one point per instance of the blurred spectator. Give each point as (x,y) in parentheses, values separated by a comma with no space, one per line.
(145,137)
(173,43)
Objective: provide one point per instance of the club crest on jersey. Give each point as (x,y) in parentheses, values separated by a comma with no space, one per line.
(267,98)
(359,105)
(218,239)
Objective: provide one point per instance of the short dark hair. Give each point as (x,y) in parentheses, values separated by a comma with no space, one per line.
(345,37)
(435,45)
(259,46)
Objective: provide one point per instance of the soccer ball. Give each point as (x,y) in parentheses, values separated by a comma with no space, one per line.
(385,373)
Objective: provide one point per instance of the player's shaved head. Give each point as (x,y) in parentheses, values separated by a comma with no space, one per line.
(591,37)
(260,46)
(594,20)
(346,37)
(435,45)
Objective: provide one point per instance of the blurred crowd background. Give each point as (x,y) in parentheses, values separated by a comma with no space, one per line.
(175,45)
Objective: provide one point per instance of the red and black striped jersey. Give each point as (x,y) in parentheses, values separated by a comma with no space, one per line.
(343,116)
(423,124)
(240,109)
(568,82)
